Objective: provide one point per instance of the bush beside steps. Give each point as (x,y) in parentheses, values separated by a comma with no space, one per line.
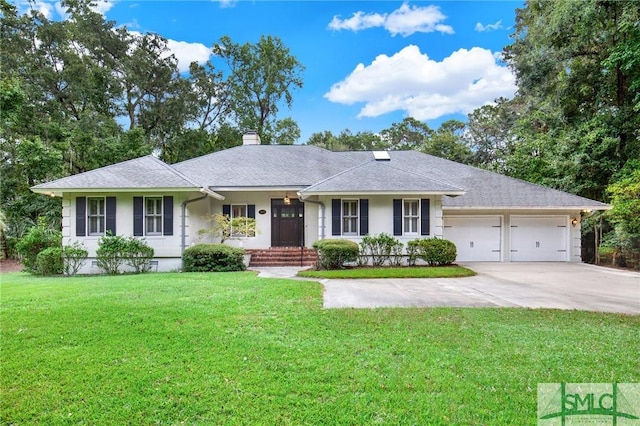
(213,258)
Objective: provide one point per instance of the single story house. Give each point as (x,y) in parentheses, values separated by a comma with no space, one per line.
(299,194)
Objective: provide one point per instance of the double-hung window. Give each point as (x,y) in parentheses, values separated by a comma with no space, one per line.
(349,217)
(239,220)
(153,215)
(410,216)
(95,215)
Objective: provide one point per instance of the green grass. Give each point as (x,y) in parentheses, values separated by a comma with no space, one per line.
(392,272)
(231,348)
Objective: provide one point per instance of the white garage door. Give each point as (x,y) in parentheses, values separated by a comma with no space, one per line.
(538,239)
(477,238)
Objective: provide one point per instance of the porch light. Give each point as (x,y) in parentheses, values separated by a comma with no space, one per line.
(574,221)
(287,200)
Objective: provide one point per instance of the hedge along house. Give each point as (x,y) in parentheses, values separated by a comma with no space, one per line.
(299,194)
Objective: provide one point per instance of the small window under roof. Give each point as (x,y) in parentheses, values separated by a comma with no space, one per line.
(381,155)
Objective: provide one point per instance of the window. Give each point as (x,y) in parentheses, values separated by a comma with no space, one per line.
(95,215)
(411,216)
(239,220)
(153,215)
(350,217)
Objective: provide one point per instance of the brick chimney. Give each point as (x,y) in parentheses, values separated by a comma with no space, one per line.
(250,137)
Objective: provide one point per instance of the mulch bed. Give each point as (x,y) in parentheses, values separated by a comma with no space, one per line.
(10,265)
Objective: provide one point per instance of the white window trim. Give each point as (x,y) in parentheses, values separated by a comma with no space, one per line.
(343,216)
(103,215)
(405,216)
(231,217)
(146,215)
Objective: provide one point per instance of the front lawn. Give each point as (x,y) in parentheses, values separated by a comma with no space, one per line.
(231,348)
(392,272)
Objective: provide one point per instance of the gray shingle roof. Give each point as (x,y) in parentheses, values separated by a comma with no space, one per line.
(314,170)
(484,189)
(144,172)
(245,166)
(379,176)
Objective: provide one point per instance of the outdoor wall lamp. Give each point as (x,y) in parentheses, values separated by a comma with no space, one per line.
(574,221)
(287,200)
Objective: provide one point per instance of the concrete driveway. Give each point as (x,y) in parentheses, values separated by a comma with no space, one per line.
(530,285)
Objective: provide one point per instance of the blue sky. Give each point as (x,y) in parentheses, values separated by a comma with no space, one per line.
(368,63)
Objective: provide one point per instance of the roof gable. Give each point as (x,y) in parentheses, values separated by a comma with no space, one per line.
(143,172)
(248,166)
(380,177)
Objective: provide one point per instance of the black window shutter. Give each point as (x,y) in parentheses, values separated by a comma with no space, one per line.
(81,216)
(397,217)
(167,215)
(110,220)
(336,212)
(364,216)
(226,210)
(251,211)
(425,222)
(138,216)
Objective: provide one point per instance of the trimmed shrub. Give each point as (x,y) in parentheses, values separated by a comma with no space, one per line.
(334,253)
(437,252)
(138,255)
(111,252)
(49,261)
(382,248)
(73,257)
(116,250)
(413,251)
(213,258)
(37,239)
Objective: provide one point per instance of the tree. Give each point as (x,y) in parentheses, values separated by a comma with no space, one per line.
(447,142)
(347,141)
(262,77)
(574,64)
(491,134)
(286,132)
(209,96)
(625,214)
(325,140)
(406,135)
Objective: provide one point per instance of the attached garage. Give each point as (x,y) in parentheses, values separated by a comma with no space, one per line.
(477,238)
(539,238)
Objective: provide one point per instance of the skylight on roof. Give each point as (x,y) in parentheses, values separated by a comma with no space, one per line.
(381,156)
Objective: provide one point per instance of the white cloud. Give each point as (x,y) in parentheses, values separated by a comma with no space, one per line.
(425,89)
(489,27)
(102,6)
(45,8)
(405,21)
(412,19)
(227,3)
(359,21)
(184,52)
(187,52)
(99,6)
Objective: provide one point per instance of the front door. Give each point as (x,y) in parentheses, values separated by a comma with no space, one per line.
(287,223)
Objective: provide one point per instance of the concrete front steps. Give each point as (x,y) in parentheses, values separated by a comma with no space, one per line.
(282,256)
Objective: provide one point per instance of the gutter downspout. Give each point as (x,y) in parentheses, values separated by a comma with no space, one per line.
(184,221)
(322,213)
(207,193)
